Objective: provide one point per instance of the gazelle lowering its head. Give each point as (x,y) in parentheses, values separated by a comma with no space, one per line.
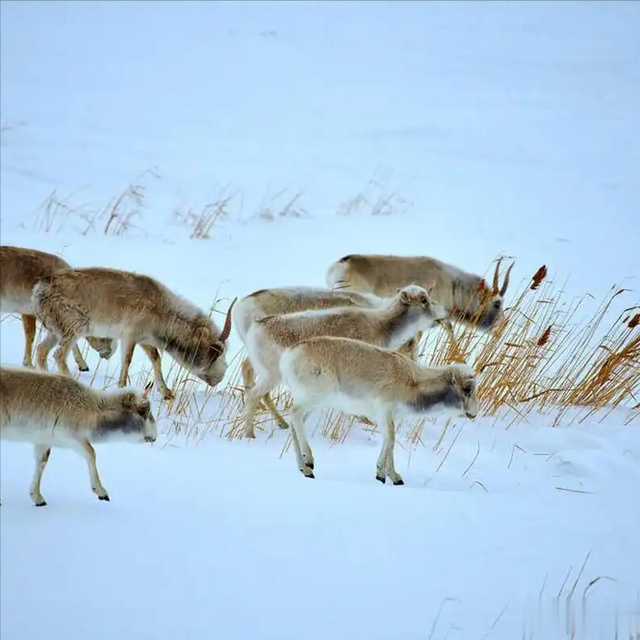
(54,410)
(363,379)
(135,309)
(465,296)
(20,269)
(409,311)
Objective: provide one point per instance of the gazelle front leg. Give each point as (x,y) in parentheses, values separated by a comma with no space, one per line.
(41,453)
(156,362)
(84,448)
(386,466)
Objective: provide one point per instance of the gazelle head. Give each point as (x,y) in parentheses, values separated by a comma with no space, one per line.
(208,358)
(487,304)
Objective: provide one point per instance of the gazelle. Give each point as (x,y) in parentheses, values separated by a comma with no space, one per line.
(284,300)
(464,295)
(391,325)
(20,269)
(363,379)
(54,410)
(135,309)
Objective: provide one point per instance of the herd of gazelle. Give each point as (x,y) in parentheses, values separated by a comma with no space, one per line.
(350,346)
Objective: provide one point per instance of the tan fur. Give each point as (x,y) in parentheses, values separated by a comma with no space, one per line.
(52,409)
(355,377)
(20,269)
(466,296)
(136,309)
(285,300)
(389,325)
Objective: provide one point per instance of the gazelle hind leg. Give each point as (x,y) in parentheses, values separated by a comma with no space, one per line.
(43,349)
(249,381)
(252,402)
(385,466)
(80,361)
(29,327)
(61,354)
(41,454)
(304,455)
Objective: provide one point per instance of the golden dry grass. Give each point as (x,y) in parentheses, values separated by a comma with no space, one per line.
(549,354)
(564,359)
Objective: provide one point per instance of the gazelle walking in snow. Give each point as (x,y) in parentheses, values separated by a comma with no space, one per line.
(54,410)
(364,379)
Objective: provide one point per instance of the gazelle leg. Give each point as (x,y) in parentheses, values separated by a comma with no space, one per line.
(127,347)
(80,361)
(42,351)
(253,398)
(385,465)
(268,402)
(29,327)
(62,353)
(41,453)
(249,381)
(156,362)
(304,455)
(84,448)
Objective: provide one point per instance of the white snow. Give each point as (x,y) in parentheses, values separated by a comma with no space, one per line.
(472,129)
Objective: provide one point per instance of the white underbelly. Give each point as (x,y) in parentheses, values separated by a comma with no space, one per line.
(37,434)
(115,331)
(346,404)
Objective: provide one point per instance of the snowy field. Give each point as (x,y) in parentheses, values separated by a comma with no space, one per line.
(307,131)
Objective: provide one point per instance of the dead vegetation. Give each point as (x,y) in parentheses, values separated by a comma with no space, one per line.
(549,354)
(564,359)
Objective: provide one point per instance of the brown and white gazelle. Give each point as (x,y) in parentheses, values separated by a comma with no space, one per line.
(391,325)
(464,295)
(284,300)
(54,410)
(20,269)
(363,379)
(135,309)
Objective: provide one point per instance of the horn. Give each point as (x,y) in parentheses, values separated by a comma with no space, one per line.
(505,284)
(226,330)
(147,389)
(495,278)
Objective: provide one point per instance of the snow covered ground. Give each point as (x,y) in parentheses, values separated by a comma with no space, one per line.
(468,130)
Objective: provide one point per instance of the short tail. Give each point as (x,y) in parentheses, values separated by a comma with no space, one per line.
(337,276)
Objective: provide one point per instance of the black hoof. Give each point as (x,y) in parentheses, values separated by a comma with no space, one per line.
(398,483)
(41,504)
(283,426)
(311,465)
(83,369)
(310,475)
(105,498)
(381,479)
